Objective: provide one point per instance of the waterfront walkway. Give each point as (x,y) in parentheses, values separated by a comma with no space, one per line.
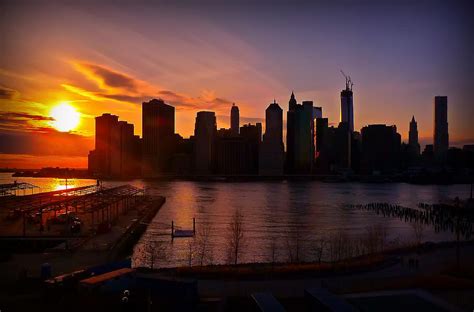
(90,252)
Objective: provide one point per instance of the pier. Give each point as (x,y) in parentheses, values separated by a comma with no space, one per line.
(112,220)
(183,232)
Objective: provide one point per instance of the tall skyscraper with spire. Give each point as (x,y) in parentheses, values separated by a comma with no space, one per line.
(441,136)
(234,119)
(290,133)
(299,151)
(347,105)
(413,137)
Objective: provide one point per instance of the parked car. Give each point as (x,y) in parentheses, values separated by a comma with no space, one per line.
(64,218)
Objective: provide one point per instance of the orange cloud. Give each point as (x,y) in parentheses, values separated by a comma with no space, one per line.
(117,86)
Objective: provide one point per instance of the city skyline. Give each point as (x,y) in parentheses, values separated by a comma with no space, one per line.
(394,70)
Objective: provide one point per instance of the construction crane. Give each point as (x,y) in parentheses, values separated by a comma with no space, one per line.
(348,81)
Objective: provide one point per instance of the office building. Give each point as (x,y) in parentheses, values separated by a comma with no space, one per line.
(205,131)
(441,136)
(347,105)
(234,119)
(380,149)
(158,137)
(272,154)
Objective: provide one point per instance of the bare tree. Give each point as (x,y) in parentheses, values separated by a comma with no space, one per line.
(190,251)
(375,238)
(418,229)
(203,245)
(154,251)
(235,237)
(272,249)
(293,244)
(319,245)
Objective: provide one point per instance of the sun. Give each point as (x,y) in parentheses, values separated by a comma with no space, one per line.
(65,116)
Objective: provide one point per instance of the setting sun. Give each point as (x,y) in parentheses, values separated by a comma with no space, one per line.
(66,118)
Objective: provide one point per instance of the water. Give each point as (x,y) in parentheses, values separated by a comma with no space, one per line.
(271,210)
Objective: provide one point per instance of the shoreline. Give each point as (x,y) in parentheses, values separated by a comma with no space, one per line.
(306,270)
(326,178)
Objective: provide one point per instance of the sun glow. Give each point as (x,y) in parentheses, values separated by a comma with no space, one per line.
(66,118)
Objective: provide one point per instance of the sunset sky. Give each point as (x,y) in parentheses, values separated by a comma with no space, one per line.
(109,57)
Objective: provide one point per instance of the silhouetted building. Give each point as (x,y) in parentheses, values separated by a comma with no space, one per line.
(117,150)
(106,150)
(338,148)
(299,137)
(413,137)
(290,134)
(334,147)
(272,154)
(380,149)
(441,136)
(158,137)
(428,155)
(347,105)
(205,143)
(234,119)
(252,135)
(317,113)
(322,162)
(356,151)
(122,161)
(233,156)
(182,159)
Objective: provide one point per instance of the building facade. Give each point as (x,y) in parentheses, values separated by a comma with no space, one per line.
(272,154)
(234,119)
(205,131)
(158,137)
(441,136)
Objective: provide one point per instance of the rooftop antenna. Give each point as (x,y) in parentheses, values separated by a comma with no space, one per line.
(348,81)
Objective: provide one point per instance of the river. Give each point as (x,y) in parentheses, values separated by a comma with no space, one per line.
(270,211)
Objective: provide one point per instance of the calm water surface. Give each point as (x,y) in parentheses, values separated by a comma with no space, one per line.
(271,210)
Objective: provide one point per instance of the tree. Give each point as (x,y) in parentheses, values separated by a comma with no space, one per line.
(203,245)
(235,236)
(293,244)
(272,249)
(319,245)
(418,228)
(153,251)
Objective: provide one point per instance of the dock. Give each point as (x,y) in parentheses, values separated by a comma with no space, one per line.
(112,221)
(177,233)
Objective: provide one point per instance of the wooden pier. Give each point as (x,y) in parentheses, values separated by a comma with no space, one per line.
(183,232)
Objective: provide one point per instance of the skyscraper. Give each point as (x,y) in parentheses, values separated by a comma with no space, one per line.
(271,156)
(441,136)
(347,105)
(380,149)
(234,119)
(413,137)
(116,151)
(290,133)
(158,137)
(299,151)
(252,134)
(106,128)
(204,142)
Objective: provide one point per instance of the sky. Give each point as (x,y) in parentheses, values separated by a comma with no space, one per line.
(110,56)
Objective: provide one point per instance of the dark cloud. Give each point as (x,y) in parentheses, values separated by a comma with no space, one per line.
(23,116)
(111,78)
(7,93)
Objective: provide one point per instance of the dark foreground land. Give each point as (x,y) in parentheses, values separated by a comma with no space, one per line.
(423,278)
